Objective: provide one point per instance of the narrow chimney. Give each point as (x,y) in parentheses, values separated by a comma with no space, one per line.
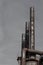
(26,36)
(32,29)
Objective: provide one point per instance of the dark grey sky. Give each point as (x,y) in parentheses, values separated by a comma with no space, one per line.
(13,14)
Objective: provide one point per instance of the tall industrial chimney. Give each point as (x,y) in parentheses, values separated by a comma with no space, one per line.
(32,29)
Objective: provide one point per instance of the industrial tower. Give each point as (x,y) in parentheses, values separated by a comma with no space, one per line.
(28,52)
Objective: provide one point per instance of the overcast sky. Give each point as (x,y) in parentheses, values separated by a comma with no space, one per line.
(13,15)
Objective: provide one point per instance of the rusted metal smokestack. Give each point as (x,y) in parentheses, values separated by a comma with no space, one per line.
(32,29)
